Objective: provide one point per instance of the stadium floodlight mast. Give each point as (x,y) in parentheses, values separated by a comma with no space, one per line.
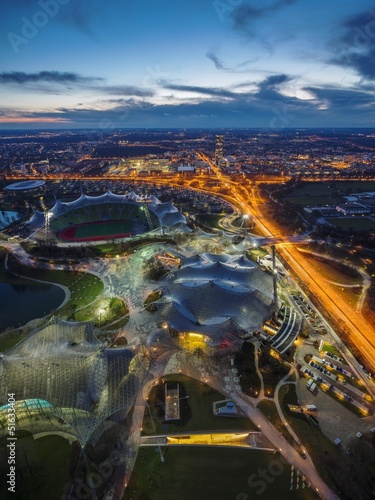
(47,217)
(245,218)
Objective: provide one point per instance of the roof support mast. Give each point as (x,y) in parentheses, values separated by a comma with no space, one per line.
(274,277)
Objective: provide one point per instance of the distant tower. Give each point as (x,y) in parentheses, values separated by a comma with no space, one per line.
(218,150)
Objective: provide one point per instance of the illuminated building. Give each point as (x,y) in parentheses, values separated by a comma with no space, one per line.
(218,150)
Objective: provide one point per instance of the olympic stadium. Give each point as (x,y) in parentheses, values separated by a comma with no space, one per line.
(108,216)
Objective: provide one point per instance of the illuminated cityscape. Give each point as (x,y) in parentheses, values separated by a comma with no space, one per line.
(187,235)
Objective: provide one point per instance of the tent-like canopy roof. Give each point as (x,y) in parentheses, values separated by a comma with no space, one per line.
(63,363)
(167,214)
(209,290)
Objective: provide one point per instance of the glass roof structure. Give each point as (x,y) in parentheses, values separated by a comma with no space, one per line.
(212,294)
(64,364)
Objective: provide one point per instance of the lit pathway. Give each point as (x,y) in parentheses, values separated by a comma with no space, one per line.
(245,403)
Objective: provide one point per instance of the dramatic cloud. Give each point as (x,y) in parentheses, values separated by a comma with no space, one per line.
(208,91)
(47,81)
(245,13)
(274,80)
(238,68)
(345,99)
(355,48)
(215,59)
(268,89)
(21,78)
(123,90)
(242,110)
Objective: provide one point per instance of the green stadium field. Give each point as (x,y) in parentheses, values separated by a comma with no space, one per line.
(103,228)
(99,230)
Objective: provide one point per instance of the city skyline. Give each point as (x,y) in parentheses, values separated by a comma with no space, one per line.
(272,64)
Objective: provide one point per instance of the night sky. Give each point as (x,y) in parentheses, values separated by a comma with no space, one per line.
(200,63)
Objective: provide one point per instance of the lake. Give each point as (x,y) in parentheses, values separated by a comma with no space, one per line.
(25,300)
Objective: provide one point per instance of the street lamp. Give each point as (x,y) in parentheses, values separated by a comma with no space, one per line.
(101,311)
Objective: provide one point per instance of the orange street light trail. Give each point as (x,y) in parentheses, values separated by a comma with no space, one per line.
(361,333)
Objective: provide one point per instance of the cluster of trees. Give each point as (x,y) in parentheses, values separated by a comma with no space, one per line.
(245,363)
(154,269)
(349,236)
(51,250)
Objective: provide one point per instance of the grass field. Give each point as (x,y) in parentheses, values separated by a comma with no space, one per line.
(84,287)
(353,223)
(210,474)
(84,303)
(42,467)
(269,409)
(314,194)
(196,410)
(103,228)
(333,272)
(335,251)
(333,350)
(313,201)
(11,338)
(96,230)
(347,282)
(348,187)
(327,193)
(211,220)
(104,311)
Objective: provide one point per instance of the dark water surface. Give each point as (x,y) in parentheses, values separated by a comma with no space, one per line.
(25,300)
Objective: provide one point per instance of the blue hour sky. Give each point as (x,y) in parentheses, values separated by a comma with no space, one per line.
(199,63)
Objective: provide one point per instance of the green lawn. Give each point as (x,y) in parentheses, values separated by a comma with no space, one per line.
(42,467)
(326,193)
(355,223)
(313,201)
(348,187)
(11,338)
(103,311)
(196,410)
(268,408)
(331,349)
(103,229)
(211,220)
(195,473)
(335,251)
(334,271)
(84,287)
